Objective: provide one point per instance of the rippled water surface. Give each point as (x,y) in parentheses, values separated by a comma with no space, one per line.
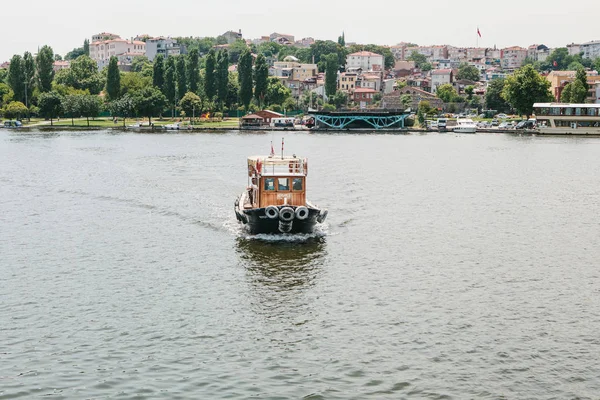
(450,267)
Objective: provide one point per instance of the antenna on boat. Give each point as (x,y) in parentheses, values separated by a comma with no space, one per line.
(282,148)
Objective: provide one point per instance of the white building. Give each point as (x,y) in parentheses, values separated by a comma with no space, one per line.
(512,58)
(101,51)
(597,87)
(591,49)
(440,77)
(162,45)
(364,60)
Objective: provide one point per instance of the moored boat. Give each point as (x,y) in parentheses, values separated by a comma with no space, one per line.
(465,125)
(275,199)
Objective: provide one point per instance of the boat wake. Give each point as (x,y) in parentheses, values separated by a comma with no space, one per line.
(317,235)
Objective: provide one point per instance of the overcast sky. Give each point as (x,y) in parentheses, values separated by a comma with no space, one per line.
(64,24)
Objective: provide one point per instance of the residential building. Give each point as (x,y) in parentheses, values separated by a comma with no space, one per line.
(58,65)
(294,75)
(404,68)
(277,36)
(162,45)
(370,81)
(347,81)
(232,36)
(476,53)
(457,54)
(512,58)
(559,79)
(104,36)
(365,61)
(574,49)
(538,52)
(305,42)
(591,49)
(364,96)
(441,77)
(102,51)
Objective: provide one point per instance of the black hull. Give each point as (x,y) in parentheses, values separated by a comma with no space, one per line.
(257,220)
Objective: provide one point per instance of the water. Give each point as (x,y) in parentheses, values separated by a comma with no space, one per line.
(450,267)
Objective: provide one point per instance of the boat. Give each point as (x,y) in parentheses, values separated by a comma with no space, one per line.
(173,127)
(275,200)
(12,124)
(567,118)
(465,125)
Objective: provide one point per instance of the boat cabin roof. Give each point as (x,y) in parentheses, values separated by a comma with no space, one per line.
(279,166)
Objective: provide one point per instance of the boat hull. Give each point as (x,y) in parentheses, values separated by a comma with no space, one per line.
(465,130)
(257,221)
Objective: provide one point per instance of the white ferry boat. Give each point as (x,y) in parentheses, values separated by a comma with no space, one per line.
(567,118)
(465,125)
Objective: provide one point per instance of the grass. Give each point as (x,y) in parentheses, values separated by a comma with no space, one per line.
(108,123)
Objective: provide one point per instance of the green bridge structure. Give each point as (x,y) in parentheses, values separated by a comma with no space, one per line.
(360,119)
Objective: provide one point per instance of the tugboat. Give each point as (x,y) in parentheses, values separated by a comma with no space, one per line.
(275,199)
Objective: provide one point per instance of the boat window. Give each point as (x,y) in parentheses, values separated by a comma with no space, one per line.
(297,184)
(283,184)
(269,183)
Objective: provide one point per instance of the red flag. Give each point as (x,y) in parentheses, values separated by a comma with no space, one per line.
(555,63)
(479,33)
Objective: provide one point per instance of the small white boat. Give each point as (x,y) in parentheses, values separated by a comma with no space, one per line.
(465,125)
(173,127)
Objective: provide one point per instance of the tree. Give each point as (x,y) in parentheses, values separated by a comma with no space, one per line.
(14,109)
(139,63)
(123,107)
(469,90)
(331,71)
(574,92)
(419,59)
(89,106)
(406,100)
(6,94)
(45,68)
(191,104)
(193,71)
(493,96)
(558,59)
(113,79)
(16,78)
(75,54)
(339,99)
(149,102)
(328,107)
(575,66)
(597,64)
(342,40)
(222,75)
(70,106)
(276,91)
(50,104)
(82,75)
(133,82)
(158,72)
(236,49)
(447,93)
(210,87)
(245,78)
(468,72)
(57,57)
(581,76)
(29,75)
(524,88)
(170,85)
(86,47)
(261,74)
(182,86)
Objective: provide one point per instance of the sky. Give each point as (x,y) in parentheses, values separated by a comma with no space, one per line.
(64,24)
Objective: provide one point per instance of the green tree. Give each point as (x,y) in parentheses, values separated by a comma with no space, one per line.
(29,75)
(16,78)
(6,94)
(328,107)
(342,40)
(113,79)
(447,93)
(149,102)
(245,78)
(597,64)
(45,68)
(419,59)
(89,106)
(133,82)
(575,66)
(182,86)
(70,106)
(86,47)
(50,104)
(14,109)
(524,88)
(139,63)
(261,74)
(75,54)
(82,75)
(581,76)
(158,73)
(468,72)
(558,59)
(406,100)
(210,86)
(193,71)
(236,49)
(170,85)
(191,104)
(222,75)
(276,91)
(123,107)
(469,90)
(331,72)
(493,96)
(574,92)
(57,57)
(339,99)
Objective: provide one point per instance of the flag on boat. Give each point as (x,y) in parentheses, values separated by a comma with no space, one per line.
(478,32)
(272,149)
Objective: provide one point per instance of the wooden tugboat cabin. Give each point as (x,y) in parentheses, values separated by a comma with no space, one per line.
(277,181)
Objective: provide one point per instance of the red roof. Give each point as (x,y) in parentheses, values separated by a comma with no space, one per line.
(364,90)
(366,54)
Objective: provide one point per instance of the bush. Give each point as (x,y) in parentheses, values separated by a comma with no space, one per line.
(328,107)
(276,108)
